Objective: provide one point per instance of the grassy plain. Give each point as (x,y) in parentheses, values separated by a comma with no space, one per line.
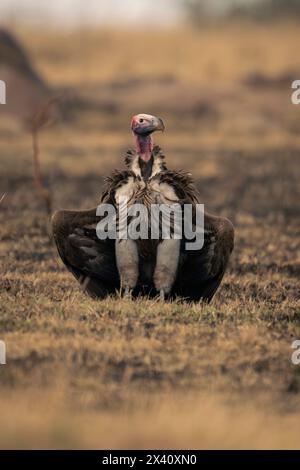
(122,374)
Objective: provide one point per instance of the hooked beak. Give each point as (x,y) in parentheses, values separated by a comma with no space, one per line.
(156,124)
(159,125)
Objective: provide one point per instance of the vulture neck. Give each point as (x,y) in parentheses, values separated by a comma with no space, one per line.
(144,147)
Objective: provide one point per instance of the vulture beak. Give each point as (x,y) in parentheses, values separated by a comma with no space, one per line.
(159,124)
(145,124)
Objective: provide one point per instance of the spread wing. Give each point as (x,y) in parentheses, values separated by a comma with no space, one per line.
(90,260)
(201,271)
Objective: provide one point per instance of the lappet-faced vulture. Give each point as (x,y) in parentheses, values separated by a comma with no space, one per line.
(145,266)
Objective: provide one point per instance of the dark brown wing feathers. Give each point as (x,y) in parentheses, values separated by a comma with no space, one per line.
(90,260)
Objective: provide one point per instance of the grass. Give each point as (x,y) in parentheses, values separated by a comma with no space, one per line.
(122,374)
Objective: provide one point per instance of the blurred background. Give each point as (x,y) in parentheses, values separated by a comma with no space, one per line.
(219,73)
(169,12)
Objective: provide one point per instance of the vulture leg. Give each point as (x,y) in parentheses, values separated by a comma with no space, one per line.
(167,258)
(90,260)
(201,271)
(128,263)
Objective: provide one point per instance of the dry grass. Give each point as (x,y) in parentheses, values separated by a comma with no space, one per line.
(128,374)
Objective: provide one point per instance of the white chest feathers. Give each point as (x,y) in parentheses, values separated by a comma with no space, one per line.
(148,192)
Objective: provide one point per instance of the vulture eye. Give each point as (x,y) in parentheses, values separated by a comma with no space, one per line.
(141,120)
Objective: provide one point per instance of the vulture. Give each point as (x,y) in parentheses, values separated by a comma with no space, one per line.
(144,266)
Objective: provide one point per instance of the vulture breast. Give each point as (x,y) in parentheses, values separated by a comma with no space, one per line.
(146,193)
(149,192)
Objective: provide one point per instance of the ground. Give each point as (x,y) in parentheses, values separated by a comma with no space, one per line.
(121,374)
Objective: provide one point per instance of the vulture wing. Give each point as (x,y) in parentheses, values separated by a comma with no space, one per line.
(201,271)
(90,260)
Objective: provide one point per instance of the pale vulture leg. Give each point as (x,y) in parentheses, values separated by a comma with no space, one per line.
(167,259)
(128,263)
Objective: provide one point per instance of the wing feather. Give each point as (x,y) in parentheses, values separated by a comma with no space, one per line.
(90,260)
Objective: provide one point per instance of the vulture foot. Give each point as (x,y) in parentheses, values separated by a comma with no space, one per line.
(127,293)
(163,281)
(162,295)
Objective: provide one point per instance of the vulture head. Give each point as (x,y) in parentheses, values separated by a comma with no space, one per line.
(144,124)
(142,127)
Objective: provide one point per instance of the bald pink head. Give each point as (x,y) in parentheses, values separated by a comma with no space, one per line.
(145,124)
(142,126)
